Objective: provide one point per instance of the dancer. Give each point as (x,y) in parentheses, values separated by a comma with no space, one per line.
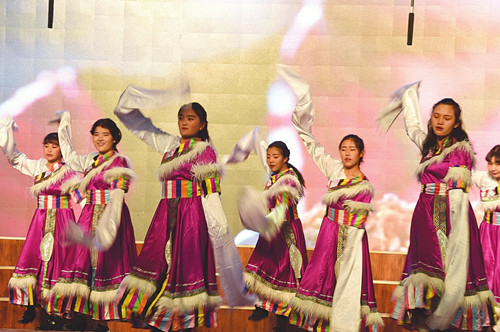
(489,231)
(443,284)
(90,277)
(336,292)
(43,252)
(280,256)
(173,286)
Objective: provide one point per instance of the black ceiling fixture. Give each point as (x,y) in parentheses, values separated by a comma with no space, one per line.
(51,14)
(409,37)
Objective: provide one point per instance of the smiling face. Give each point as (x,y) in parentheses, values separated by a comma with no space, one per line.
(103,140)
(189,123)
(443,121)
(275,160)
(350,154)
(52,152)
(494,168)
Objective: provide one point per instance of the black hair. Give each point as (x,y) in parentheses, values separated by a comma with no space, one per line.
(202,114)
(110,125)
(494,153)
(360,145)
(285,152)
(458,134)
(51,138)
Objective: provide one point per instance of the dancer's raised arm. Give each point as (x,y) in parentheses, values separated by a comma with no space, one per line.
(128,111)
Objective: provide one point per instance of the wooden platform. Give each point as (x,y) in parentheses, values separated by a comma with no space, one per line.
(386,268)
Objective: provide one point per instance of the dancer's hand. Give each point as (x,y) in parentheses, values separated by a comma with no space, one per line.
(57,117)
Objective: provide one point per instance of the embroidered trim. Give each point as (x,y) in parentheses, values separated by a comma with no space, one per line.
(53,202)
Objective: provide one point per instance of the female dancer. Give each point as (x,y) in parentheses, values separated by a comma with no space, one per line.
(489,231)
(90,277)
(443,284)
(336,292)
(173,285)
(40,260)
(280,256)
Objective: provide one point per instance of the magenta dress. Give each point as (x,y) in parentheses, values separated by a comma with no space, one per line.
(173,285)
(43,253)
(89,279)
(442,259)
(489,230)
(275,267)
(340,268)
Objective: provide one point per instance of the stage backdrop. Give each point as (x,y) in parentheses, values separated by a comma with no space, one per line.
(353,53)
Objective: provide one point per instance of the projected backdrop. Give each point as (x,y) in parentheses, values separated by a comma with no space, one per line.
(353,54)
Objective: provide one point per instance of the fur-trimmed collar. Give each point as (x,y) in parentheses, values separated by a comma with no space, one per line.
(349,192)
(92,173)
(287,183)
(36,189)
(166,168)
(462,145)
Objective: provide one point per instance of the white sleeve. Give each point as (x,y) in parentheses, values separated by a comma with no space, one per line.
(135,98)
(17,159)
(405,100)
(481,179)
(227,258)
(252,141)
(109,223)
(303,118)
(76,162)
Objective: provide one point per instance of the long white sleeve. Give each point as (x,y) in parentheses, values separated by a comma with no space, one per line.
(483,180)
(109,223)
(303,118)
(227,258)
(405,100)
(17,159)
(76,162)
(135,98)
(252,141)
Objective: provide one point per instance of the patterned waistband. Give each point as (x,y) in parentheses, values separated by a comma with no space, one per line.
(187,188)
(345,218)
(98,196)
(492,217)
(437,189)
(53,202)
(291,213)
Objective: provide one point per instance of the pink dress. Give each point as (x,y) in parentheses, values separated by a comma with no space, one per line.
(89,279)
(41,258)
(275,267)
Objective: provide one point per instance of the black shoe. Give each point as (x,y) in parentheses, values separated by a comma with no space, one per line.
(77,323)
(48,324)
(28,316)
(101,328)
(258,314)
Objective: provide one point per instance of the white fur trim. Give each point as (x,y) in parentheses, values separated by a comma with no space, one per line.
(415,280)
(71,289)
(205,171)
(165,169)
(491,205)
(118,172)
(255,286)
(143,285)
(463,145)
(22,282)
(39,187)
(189,303)
(69,185)
(90,175)
(478,300)
(358,207)
(282,185)
(348,192)
(310,307)
(372,318)
(457,173)
(105,297)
